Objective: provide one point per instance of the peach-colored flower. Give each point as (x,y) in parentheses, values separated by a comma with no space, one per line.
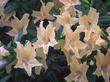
(19,25)
(66,18)
(103,65)
(92,31)
(44,12)
(46,37)
(69,3)
(26,57)
(89,23)
(78,71)
(95,42)
(72,41)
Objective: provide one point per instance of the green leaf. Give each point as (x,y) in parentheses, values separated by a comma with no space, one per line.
(10,7)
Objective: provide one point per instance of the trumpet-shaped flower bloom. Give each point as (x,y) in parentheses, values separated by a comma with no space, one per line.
(66,18)
(95,42)
(44,12)
(89,23)
(19,25)
(46,37)
(78,71)
(103,65)
(72,41)
(26,57)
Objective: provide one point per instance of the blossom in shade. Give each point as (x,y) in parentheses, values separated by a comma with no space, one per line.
(69,3)
(19,25)
(72,41)
(46,37)
(89,23)
(78,71)
(44,12)
(103,65)
(26,57)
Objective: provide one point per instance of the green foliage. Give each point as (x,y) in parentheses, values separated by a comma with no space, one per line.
(56,60)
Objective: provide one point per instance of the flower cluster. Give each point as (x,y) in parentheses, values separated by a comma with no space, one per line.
(73,47)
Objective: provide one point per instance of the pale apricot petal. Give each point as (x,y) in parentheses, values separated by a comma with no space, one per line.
(46,37)
(45,48)
(50,17)
(97,29)
(19,25)
(100,41)
(12,33)
(26,60)
(36,14)
(53,41)
(78,71)
(64,1)
(49,6)
(19,50)
(93,16)
(34,63)
(68,32)
(87,35)
(28,69)
(38,44)
(71,77)
(69,2)
(44,11)
(97,72)
(68,56)
(28,49)
(84,21)
(100,58)
(41,32)
(25,22)
(106,76)
(67,47)
(80,45)
(78,67)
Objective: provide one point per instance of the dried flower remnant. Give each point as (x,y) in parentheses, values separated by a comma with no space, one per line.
(19,25)
(44,12)
(26,57)
(72,41)
(4,52)
(78,71)
(46,37)
(103,65)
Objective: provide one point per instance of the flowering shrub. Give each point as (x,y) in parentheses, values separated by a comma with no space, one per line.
(54,41)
